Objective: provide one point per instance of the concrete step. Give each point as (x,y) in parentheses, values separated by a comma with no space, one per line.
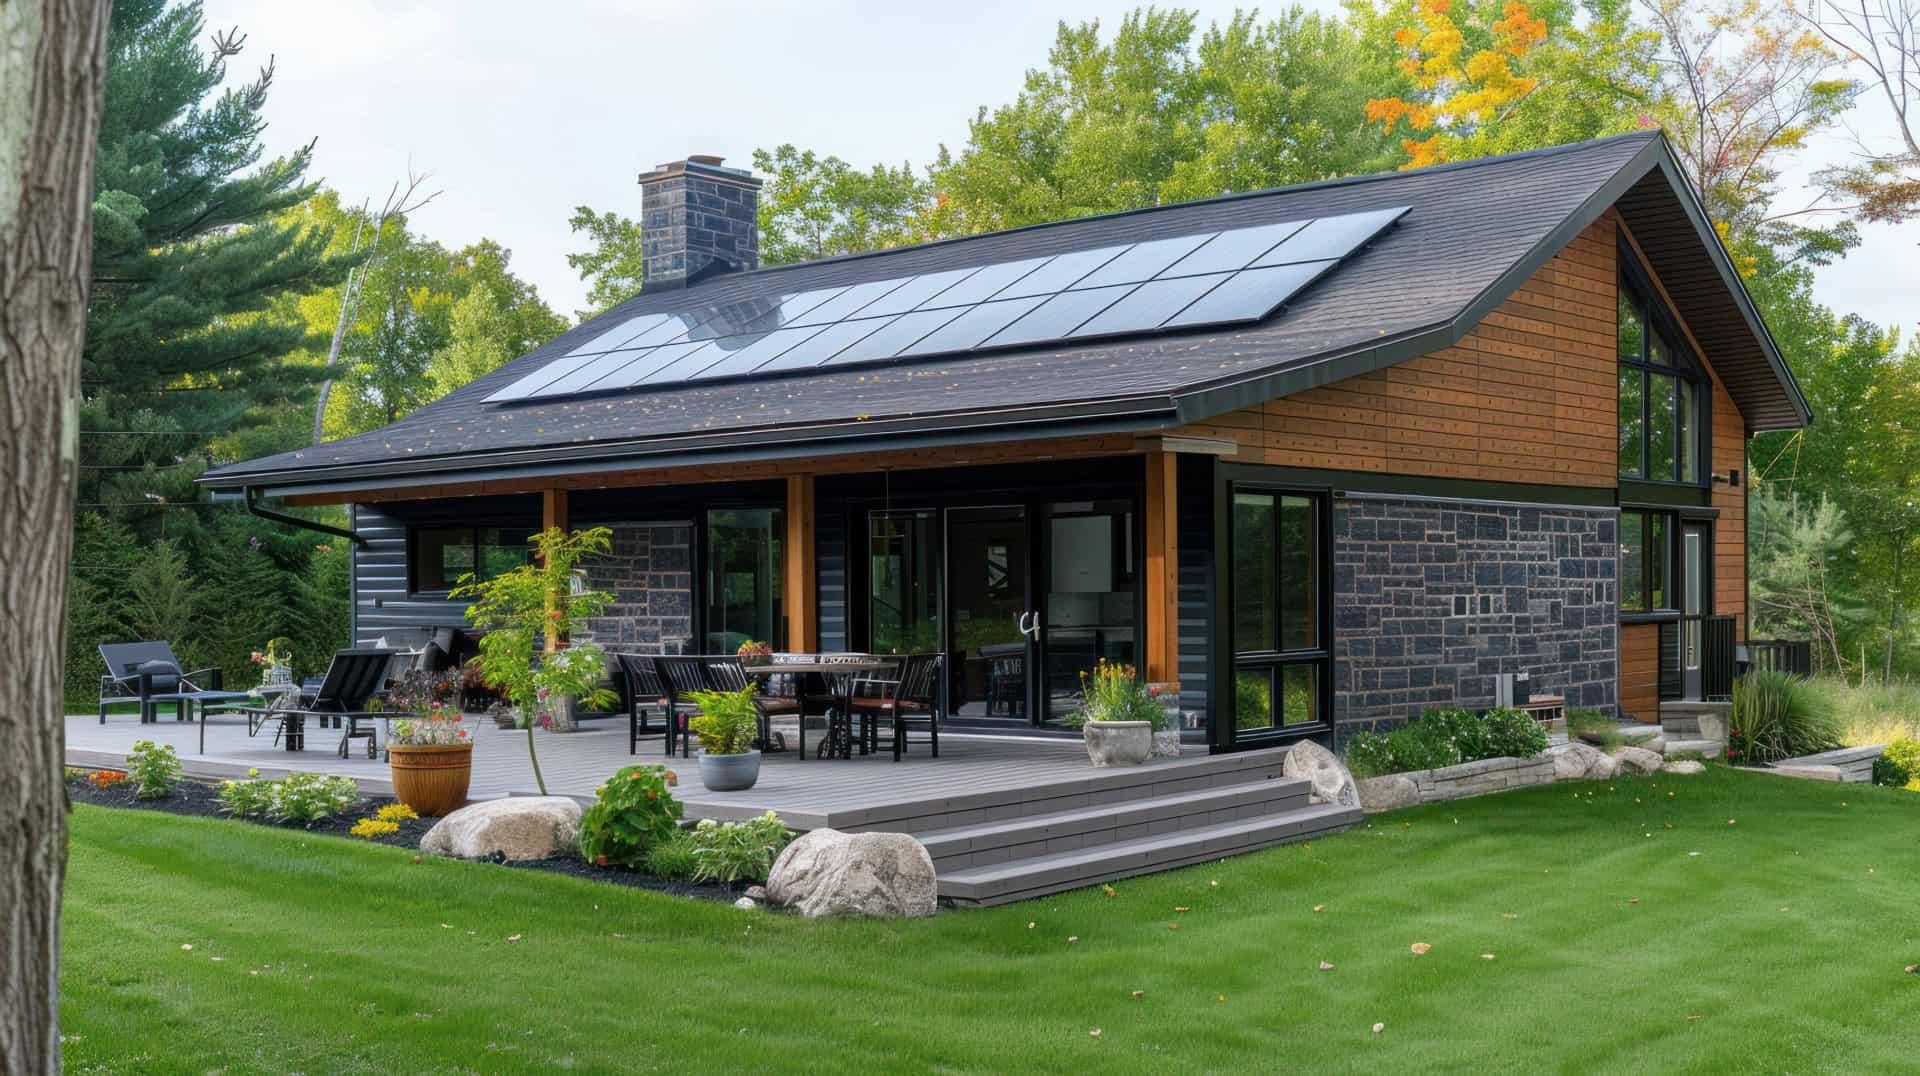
(1000,883)
(1853,765)
(1059,831)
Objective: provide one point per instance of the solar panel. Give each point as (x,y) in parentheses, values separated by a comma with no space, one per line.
(1177,282)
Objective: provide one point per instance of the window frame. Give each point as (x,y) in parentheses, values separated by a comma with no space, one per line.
(1273,663)
(1648,612)
(1634,284)
(416,585)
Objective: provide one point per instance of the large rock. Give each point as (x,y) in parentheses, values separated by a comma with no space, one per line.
(1638,760)
(1576,761)
(517,828)
(1388,793)
(827,872)
(1331,782)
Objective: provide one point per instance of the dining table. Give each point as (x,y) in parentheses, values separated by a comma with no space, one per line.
(839,717)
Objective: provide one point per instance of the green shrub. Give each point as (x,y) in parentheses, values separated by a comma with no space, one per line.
(306,798)
(1465,730)
(1423,746)
(1513,734)
(636,810)
(1778,716)
(154,769)
(1369,754)
(247,799)
(673,857)
(1899,764)
(731,852)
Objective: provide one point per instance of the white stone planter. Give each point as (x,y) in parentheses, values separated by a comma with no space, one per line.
(1118,743)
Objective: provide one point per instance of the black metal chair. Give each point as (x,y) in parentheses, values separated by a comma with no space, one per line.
(729,674)
(149,674)
(900,701)
(645,692)
(352,678)
(679,678)
(830,694)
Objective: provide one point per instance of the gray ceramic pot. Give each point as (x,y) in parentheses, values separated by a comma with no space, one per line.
(729,773)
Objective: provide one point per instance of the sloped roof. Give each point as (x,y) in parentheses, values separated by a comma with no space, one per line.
(1476,231)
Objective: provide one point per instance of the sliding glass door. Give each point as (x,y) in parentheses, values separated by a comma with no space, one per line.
(1090,601)
(990,629)
(743,570)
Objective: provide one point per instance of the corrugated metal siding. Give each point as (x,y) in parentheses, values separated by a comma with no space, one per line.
(831,547)
(382,605)
(1195,524)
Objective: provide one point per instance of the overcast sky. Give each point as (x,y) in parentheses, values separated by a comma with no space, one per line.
(522,111)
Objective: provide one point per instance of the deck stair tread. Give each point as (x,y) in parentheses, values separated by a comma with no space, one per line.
(1016,879)
(1269,794)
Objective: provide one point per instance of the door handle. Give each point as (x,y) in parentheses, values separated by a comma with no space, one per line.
(1023,623)
(1034,631)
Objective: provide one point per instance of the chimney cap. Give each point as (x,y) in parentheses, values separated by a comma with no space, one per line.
(706,165)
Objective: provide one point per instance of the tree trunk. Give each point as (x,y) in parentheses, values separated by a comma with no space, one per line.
(52,66)
(1893,614)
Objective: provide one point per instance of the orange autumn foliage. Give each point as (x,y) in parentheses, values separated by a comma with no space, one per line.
(1457,89)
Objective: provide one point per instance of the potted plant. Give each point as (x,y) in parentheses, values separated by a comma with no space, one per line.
(532,609)
(276,662)
(1118,715)
(753,652)
(431,758)
(727,726)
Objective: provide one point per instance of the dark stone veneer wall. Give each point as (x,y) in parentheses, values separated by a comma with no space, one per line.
(649,572)
(1432,598)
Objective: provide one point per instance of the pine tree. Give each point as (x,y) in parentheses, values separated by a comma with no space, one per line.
(187,254)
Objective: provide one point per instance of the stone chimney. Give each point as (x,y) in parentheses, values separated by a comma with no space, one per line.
(698,219)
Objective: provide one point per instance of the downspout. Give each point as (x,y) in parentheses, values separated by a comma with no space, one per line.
(253,505)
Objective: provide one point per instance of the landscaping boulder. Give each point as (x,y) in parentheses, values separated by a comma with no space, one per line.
(1685,765)
(827,872)
(1388,793)
(1637,760)
(1331,782)
(515,828)
(1577,761)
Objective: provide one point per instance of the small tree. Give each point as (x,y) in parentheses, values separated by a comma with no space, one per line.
(529,607)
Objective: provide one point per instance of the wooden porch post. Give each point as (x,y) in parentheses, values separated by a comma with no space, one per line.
(1162,635)
(798,586)
(553,513)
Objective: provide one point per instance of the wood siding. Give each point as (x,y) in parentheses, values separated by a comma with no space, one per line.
(1640,671)
(1528,396)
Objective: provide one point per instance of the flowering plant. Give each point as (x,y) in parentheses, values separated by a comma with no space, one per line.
(1112,691)
(278,652)
(437,726)
(754,652)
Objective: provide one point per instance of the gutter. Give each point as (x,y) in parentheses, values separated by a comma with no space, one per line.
(251,494)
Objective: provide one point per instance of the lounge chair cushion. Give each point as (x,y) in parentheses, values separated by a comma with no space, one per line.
(166,675)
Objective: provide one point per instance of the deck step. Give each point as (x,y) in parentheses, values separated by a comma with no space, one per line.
(1058,831)
(999,883)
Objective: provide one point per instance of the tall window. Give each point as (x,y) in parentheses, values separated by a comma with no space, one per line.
(743,576)
(1646,561)
(1279,638)
(442,555)
(1660,393)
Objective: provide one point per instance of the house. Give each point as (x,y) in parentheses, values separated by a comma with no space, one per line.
(1321,456)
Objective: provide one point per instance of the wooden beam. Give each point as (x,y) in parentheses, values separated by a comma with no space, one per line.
(1162,569)
(799,587)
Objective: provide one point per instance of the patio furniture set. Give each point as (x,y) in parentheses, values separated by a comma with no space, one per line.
(855,696)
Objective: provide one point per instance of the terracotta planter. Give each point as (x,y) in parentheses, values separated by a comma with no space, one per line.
(431,778)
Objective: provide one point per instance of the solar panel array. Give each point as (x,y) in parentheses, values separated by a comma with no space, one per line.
(1189,281)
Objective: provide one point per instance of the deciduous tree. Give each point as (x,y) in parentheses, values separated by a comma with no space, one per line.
(53,68)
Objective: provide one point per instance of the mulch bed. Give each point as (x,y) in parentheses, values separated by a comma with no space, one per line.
(200,799)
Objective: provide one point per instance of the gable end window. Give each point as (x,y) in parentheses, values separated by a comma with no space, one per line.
(1662,432)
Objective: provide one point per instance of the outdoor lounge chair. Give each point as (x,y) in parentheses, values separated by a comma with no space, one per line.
(352,678)
(149,674)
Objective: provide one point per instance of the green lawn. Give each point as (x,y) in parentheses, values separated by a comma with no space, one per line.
(1779,946)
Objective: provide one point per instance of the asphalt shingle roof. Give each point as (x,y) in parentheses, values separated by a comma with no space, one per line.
(1470,225)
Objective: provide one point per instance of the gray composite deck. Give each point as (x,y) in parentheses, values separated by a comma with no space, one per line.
(858,792)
